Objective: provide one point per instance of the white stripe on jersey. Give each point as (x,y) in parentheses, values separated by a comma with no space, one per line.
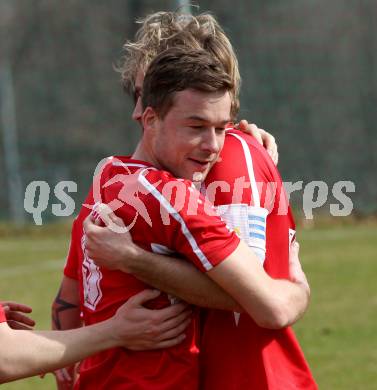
(175,214)
(121,164)
(250,168)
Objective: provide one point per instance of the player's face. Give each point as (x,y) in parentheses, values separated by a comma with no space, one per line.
(138,110)
(188,140)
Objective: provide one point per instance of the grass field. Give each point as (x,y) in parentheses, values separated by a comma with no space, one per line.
(338,334)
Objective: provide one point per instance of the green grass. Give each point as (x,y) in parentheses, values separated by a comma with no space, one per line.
(30,272)
(338,334)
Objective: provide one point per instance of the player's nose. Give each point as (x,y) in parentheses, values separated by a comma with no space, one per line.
(211,141)
(138,111)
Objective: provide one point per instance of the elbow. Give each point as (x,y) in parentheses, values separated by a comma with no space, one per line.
(284,311)
(277,314)
(275,319)
(282,314)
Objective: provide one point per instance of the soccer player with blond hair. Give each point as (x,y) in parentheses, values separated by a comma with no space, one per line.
(168,30)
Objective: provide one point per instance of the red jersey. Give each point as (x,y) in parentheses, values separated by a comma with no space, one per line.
(2,315)
(236,354)
(166,215)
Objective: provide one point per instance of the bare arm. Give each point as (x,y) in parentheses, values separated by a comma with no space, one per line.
(65,308)
(25,353)
(153,328)
(180,278)
(275,304)
(170,274)
(270,302)
(66,315)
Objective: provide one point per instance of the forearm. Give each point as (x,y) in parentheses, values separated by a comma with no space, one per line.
(65,316)
(26,353)
(65,309)
(174,276)
(178,277)
(290,302)
(270,302)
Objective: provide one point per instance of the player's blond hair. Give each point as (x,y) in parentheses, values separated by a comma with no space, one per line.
(177,69)
(162,30)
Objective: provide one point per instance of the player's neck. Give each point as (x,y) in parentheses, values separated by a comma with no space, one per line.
(142,153)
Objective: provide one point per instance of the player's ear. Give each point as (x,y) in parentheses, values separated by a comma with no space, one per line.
(149,119)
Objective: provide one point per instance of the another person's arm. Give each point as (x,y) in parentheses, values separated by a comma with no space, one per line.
(25,353)
(262,136)
(180,278)
(172,275)
(65,308)
(66,315)
(272,303)
(153,328)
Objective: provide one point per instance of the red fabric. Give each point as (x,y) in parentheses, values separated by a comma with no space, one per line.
(2,315)
(72,262)
(104,291)
(244,356)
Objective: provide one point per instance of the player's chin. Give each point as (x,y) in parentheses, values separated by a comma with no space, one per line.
(198,172)
(192,175)
(199,175)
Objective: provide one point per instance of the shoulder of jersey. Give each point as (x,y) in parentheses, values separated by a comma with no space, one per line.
(126,165)
(231,133)
(122,164)
(234,135)
(165,177)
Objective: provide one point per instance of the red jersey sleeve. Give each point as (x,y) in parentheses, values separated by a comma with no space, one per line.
(169,212)
(2,315)
(194,230)
(72,263)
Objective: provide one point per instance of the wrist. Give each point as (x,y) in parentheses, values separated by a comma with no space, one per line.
(110,336)
(131,257)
